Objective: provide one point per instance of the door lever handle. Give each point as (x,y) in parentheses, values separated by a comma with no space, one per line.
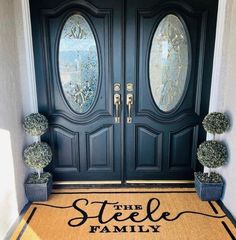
(117,103)
(129,102)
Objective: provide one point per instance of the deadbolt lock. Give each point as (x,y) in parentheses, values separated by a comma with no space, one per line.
(117,87)
(129,87)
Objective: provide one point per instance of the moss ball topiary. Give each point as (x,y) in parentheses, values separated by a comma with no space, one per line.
(215,123)
(212,178)
(35,124)
(212,154)
(33,178)
(38,155)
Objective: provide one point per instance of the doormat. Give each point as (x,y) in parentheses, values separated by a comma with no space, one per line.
(109,214)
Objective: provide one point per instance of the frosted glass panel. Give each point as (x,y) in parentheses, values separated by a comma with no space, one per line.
(168,62)
(78,63)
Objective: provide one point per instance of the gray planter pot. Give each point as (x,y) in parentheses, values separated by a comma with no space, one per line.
(208,191)
(38,192)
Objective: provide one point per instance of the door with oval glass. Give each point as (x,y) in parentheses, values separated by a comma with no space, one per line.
(124,84)
(169,54)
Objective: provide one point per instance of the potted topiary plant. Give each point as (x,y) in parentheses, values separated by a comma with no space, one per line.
(38,155)
(211,154)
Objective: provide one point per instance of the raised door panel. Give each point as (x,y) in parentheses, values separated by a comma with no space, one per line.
(181,159)
(148,150)
(100,152)
(65,148)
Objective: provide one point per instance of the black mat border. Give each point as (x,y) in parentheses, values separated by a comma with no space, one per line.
(227,212)
(228,215)
(228,231)
(213,207)
(26,223)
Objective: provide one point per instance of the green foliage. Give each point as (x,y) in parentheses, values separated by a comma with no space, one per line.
(38,155)
(212,154)
(33,178)
(35,124)
(212,178)
(215,123)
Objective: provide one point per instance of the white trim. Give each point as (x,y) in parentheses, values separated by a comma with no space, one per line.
(218,52)
(217,62)
(29,55)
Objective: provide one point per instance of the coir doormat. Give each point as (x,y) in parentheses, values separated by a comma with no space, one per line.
(165,214)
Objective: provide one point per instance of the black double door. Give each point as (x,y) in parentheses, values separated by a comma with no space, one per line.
(125,85)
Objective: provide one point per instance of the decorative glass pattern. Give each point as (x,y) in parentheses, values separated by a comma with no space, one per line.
(78,63)
(168,63)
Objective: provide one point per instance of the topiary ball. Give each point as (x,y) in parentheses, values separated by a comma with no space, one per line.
(38,155)
(212,154)
(35,124)
(215,123)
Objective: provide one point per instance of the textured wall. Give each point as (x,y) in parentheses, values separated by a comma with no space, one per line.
(225,101)
(12,137)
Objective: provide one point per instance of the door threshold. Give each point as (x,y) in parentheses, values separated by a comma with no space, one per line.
(119,182)
(127,184)
(85,182)
(158,181)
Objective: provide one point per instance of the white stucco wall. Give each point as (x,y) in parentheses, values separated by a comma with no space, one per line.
(14,90)
(225,99)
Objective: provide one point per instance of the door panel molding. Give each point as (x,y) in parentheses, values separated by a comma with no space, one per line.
(62,137)
(82,4)
(100,156)
(177,140)
(151,158)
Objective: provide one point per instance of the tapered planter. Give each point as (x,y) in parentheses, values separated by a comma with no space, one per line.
(208,191)
(37,192)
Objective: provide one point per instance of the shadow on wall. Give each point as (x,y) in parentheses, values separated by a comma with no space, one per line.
(8,198)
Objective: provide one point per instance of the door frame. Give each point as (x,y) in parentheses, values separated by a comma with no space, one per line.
(28,52)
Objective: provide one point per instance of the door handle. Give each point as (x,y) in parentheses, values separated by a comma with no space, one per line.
(117,103)
(129,103)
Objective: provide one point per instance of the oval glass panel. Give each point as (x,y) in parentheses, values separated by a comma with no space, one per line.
(78,63)
(168,63)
